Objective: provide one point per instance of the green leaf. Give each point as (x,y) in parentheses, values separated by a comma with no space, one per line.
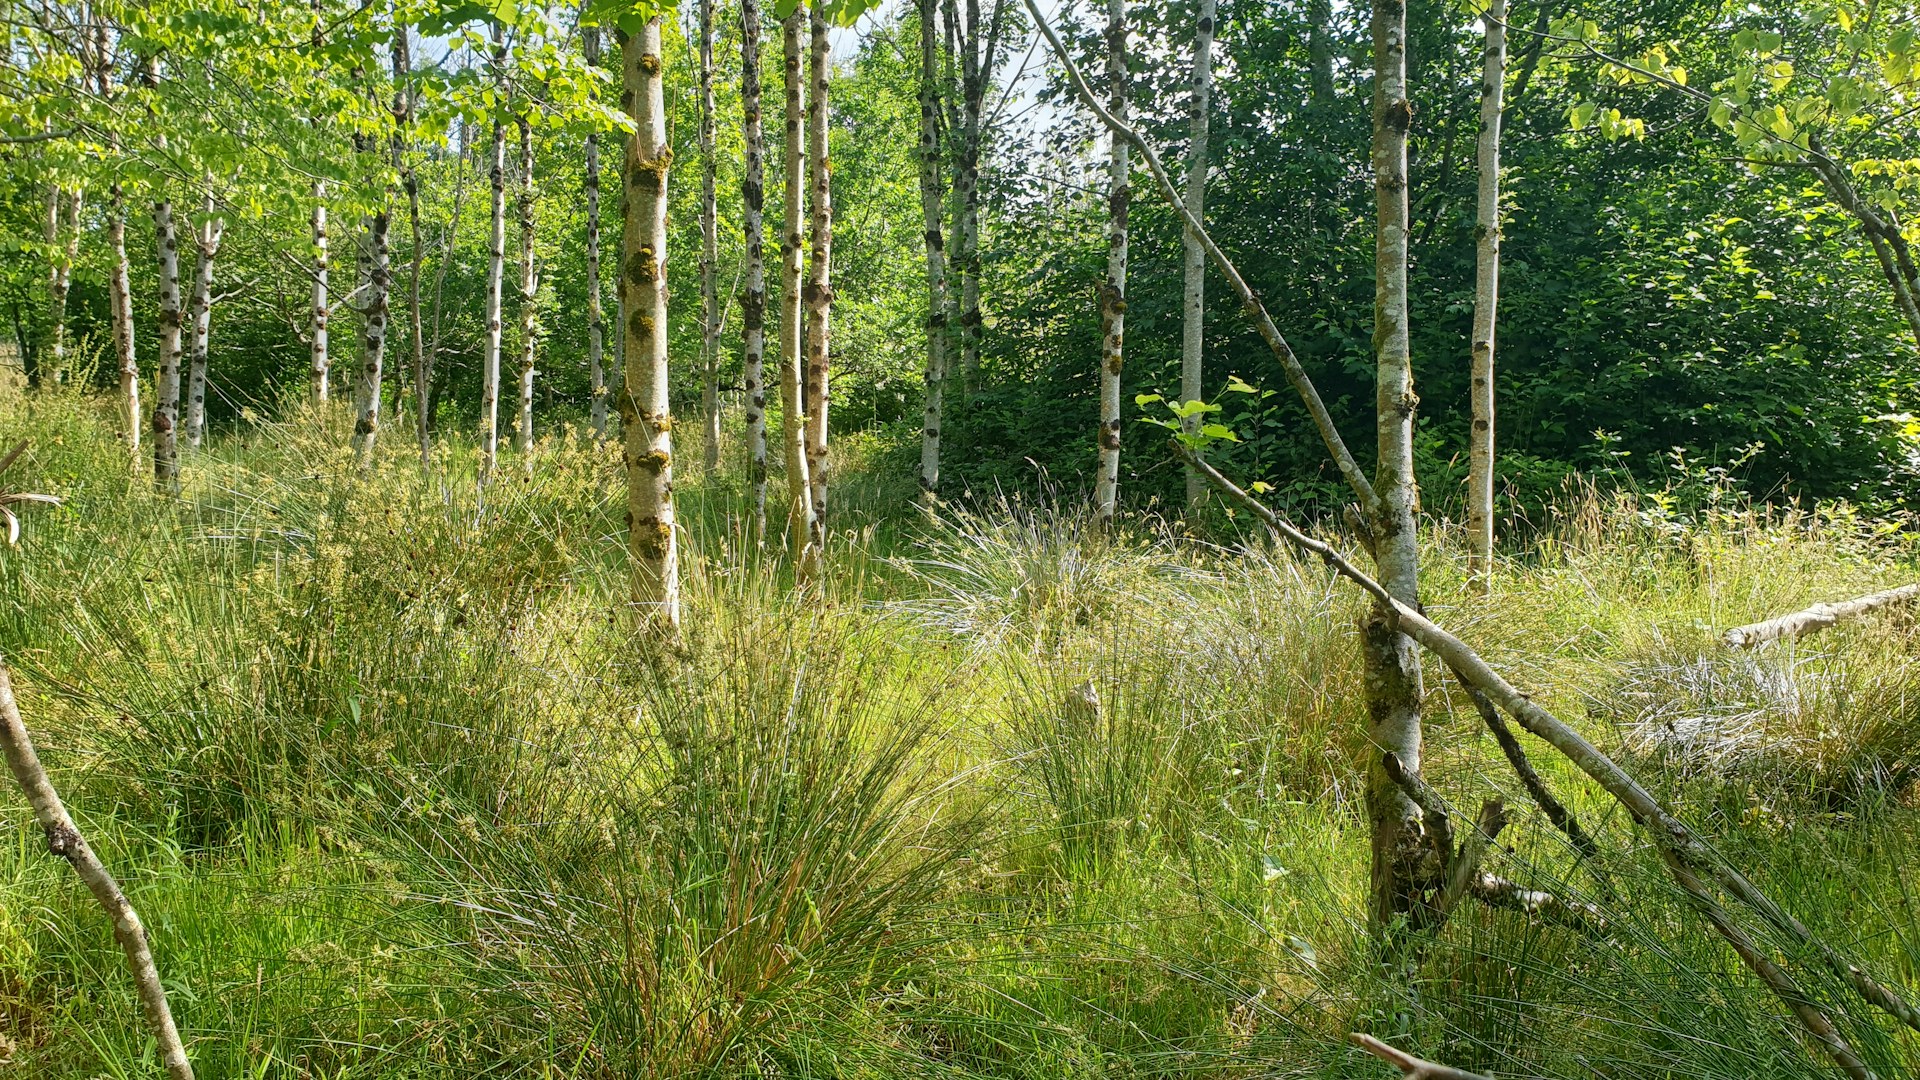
(1219,431)
(1259,487)
(1238,385)
(1582,114)
(1146,399)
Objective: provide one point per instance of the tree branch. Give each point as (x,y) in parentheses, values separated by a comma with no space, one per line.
(1411,1067)
(1816,618)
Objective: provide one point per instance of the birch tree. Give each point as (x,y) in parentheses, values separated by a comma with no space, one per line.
(753,301)
(977,52)
(709,255)
(645,413)
(64,201)
(932,202)
(529,284)
(403,120)
(1400,877)
(596,318)
(166,385)
(119,274)
(207,236)
(1486,295)
(793,436)
(1194,255)
(1113,294)
(319,363)
(819,289)
(496,265)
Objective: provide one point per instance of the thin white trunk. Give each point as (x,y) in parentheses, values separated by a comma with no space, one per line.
(709,255)
(317,320)
(793,435)
(60,270)
(65,841)
(596,316)
(529,289)
(1113,295)
(753,302)
(410,179)
(1486,297)
(496,272)
(120,293)
(819,290)
(206,242)
(373,336)
(1194,264)
(1401,881)
(932,203)
(646,415)
(166,388)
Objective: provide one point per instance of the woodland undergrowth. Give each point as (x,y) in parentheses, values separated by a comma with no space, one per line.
(400,792)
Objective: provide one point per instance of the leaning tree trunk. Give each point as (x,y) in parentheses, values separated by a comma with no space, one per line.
(753,302)
(1113,295)
(596,317)
(529,288)
(793,436)
(645,414)
(1401,884)
(496,273)
(932,203)
(206,242)
(819,290)
(1486,296)
(1194,269)
(709,255)
(166,387)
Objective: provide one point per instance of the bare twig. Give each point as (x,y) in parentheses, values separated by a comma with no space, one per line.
(1466,862)
(64,840)
(1816,618)
(1411,1067)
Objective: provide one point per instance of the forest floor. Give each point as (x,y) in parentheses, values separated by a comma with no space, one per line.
(400,793)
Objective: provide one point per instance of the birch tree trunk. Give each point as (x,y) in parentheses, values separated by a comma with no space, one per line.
(709,255)
(800,524)
(529,288)
(1486,297)
(67,200)
(496,272)
(317,319)
(646,418)
(932,204)
(753,302)
(166,387)
(206,242)
(65,841)
(1194,268)
(1401,884)
(596,317)
(410,179)
(1113,295)
(819,290)
(975,68)
(120,296)
(373,337)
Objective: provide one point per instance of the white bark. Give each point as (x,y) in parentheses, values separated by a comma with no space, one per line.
(1194,254)
(317,319)
(753,302)
(373,337)
(1816,618)
(166,388)
(1113,296)
(932,201)
(67,200)
(206,241)
(793,435)
(709,256)
(65,841)
(496,273)
(819,290)
(529,289)
(120,296)
(1392,664)
(645,413)
(596,317)
(1486,296)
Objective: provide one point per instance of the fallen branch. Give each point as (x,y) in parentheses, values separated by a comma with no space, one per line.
(1466,862)
(66,842)
(1411,1067)
(1681,848)
(1816,618)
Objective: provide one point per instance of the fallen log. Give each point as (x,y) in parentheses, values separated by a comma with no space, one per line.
(1412,1068)
(1816,618)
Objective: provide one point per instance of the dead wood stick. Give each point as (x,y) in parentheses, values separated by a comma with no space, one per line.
(1671,835)
(1466,862)
(1412,1068)
(1816,618)
(64,840)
